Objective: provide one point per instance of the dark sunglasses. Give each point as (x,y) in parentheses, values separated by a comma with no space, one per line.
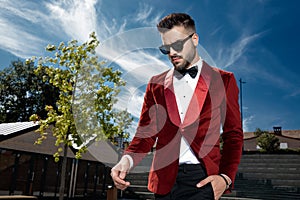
(177,46)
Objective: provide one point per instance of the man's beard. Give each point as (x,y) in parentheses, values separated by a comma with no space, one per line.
(184,65)
(187,61)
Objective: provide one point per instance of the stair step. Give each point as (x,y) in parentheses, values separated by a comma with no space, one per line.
(259,156)
(145,195)
(268,164)
(270,169)
(269,175)
(236,198)
(272,161)
(139,188)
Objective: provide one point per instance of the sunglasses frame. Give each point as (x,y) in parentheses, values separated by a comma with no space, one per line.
(177,46)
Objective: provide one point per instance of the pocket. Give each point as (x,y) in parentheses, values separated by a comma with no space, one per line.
(212,191)
(204,193)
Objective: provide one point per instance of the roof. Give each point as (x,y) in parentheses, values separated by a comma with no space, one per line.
(21,136)
(23,139)
(293,134)
(9,128)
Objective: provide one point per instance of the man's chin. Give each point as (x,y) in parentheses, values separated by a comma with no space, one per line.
(177,65)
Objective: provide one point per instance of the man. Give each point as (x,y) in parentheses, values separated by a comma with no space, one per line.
(182,113)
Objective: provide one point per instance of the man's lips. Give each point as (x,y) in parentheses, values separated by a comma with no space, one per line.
(175,58)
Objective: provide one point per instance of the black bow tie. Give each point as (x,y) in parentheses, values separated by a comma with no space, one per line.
(191,71)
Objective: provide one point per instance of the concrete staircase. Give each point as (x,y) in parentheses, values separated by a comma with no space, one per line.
(139,182)
(269,176)
(139,179)
(260,176)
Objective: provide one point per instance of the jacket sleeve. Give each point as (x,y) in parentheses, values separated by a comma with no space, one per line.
(146,131)
(232,135)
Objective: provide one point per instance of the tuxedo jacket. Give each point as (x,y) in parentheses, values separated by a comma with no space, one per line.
(214,104)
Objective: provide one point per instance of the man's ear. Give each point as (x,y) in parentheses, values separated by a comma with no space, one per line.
(195,39)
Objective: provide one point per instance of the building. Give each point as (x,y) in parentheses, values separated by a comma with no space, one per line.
(289,139)
(30,169)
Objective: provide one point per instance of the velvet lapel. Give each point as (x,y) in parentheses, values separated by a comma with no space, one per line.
(199,96)
(171,99)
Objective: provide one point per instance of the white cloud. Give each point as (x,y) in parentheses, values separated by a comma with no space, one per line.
(132,129)
(135,103)
(17,34)
(22,10)
(133,51)
(139,68)
(144,12)
(247,123)
(294,93)
(146,16)
(76,18)
(217,30)
(18,42)
(27,26)
(228,56)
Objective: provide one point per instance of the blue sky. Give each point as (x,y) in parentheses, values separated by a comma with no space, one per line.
(258,40)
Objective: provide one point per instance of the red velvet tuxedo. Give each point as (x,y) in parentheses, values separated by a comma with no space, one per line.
(214,104)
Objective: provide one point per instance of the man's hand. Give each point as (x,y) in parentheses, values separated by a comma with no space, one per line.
(119,172)
(217,183)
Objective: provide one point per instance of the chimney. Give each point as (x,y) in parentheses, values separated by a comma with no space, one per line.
(277,130)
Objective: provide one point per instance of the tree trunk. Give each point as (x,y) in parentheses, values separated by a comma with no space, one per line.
(63,173)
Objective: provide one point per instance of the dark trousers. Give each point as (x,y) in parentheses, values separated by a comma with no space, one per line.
(185,186)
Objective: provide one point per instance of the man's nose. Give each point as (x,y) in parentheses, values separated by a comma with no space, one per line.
(172,51)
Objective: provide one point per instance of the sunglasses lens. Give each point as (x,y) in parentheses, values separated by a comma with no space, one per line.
(164,49)
(177,46)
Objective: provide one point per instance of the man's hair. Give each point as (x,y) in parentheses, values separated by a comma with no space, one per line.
(176,19)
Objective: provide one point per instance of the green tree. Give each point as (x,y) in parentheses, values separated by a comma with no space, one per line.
(266,141)
(123,121)
(87,92)
(23,93)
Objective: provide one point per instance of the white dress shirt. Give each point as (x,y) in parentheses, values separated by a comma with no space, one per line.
(184,89)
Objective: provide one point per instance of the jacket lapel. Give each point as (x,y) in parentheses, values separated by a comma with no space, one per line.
(170,99)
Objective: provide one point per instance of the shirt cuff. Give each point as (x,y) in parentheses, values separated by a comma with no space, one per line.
(130,160)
